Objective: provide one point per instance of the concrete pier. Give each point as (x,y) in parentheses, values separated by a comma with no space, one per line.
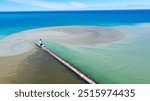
(68,65)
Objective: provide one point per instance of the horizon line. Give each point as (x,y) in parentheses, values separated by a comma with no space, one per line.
(77,10)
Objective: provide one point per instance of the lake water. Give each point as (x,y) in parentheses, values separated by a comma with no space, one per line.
(125,61)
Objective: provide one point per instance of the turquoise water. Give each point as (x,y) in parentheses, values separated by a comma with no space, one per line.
(125,61)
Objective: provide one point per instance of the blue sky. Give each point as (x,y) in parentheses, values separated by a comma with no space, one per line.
(47,5)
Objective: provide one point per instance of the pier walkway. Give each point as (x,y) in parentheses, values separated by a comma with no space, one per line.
(83,76)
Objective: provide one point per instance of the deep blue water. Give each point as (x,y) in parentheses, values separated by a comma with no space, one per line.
(11,22)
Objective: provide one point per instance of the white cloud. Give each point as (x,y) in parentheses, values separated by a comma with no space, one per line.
(72,5)
(52,5)
(78,5)
(122,6)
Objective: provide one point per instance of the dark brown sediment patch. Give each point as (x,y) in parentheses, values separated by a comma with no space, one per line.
(35,67)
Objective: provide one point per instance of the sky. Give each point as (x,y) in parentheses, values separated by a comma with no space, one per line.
(54,5)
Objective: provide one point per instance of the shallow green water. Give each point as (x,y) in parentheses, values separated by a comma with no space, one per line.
(125,61)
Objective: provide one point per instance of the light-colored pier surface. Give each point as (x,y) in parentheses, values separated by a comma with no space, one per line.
(83,76)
